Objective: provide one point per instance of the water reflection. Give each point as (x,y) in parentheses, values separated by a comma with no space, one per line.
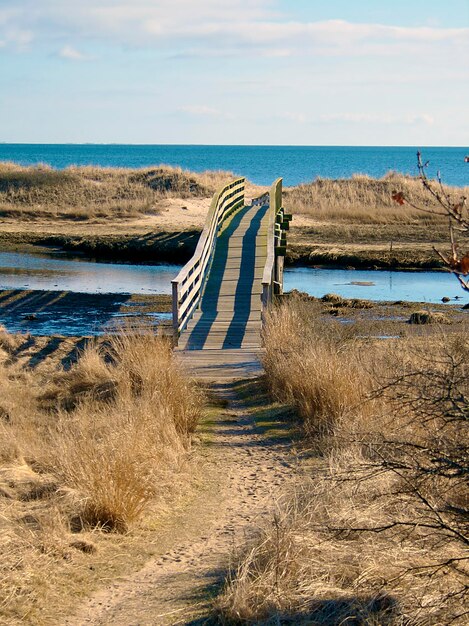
(32,271)
(374,285)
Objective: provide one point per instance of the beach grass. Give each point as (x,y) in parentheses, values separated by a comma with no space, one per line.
(84,193)
(85,453)
(375,530)
(366,200)
(157,214)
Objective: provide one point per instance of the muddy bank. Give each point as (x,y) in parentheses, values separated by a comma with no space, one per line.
(70,314)
(151,247)
(365,246)
(384,320)
(311,255)
(178,247)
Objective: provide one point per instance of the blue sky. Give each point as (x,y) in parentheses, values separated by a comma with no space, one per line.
(317,72)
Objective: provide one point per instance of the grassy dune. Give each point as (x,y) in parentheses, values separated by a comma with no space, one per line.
(356,223)
(376,531)
(83,193)
(365,200)
(84,454)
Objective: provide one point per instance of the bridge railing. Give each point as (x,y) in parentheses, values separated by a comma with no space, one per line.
(261,200)
(278,224)
(188,285)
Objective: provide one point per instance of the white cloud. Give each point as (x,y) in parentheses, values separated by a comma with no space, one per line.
(379,118)
(424,118)
(6,14)
(72,54)
(200,110)
(237,26)
(299,118)
(329,38)
(16,38)
(371,119)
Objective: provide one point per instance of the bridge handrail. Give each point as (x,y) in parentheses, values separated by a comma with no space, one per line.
(188,285)
(269,274)
(261,200)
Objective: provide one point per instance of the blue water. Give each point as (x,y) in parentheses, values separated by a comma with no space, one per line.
(260,164)
(52,308)
(375,284)
(58,273)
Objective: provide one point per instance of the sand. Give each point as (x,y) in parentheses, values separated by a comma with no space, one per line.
(248,470)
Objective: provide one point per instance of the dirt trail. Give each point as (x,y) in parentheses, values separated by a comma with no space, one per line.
(250,470)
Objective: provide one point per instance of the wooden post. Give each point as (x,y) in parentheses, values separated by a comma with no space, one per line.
(280,263)
(175,290)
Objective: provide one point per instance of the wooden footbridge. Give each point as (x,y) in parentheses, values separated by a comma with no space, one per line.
(221,295)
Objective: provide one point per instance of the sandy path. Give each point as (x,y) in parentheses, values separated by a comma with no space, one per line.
(175,588)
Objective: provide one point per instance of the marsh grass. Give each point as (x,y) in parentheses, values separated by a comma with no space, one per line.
(84,193)
(315,367)
(92,449)
(376,529)
(367,200)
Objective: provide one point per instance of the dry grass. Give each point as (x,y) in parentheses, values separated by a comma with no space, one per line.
(325,380)
(84,193)
(363,199)
(377,529)
(94,448)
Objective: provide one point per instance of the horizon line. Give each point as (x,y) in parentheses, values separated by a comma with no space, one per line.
(227,145)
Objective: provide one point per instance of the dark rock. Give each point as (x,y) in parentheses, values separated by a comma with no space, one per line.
(427,317)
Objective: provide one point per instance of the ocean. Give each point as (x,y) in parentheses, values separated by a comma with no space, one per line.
(260,164)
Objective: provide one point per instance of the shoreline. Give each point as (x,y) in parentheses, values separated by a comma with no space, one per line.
(155,216)
(63,316)
(187,157)
(177,247)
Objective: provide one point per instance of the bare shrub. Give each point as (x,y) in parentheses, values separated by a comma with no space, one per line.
(444,204)
(316,565)
(377,531)
(427,394)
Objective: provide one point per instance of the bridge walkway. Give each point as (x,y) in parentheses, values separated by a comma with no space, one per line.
(223,340)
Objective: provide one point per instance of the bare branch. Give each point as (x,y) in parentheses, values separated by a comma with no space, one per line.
(455,210)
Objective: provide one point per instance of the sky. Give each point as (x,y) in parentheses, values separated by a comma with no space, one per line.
(265,72)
